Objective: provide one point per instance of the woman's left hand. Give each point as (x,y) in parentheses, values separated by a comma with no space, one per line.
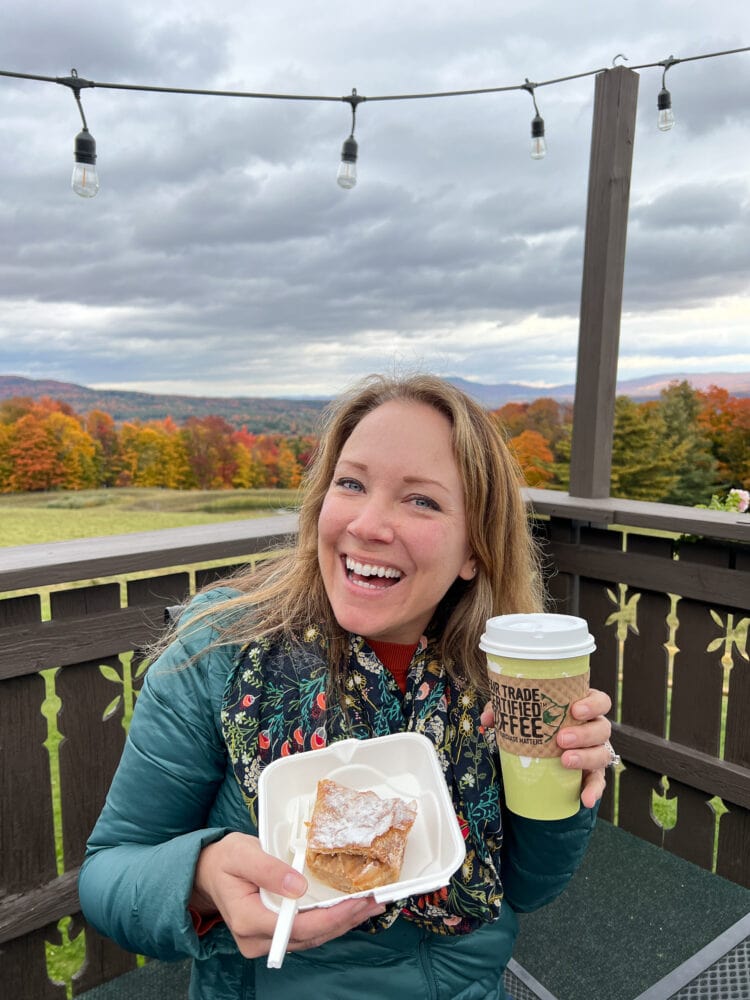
(584,745)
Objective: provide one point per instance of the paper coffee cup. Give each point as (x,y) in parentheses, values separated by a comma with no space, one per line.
(538,666)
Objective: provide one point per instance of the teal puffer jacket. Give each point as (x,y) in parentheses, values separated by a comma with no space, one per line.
(175,791)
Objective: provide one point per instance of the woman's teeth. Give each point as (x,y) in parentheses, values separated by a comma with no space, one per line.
(366,569)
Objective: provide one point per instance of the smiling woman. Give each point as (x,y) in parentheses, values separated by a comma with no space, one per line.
(392,531)
(412,532)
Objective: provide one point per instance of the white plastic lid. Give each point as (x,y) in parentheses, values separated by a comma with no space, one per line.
(537,637)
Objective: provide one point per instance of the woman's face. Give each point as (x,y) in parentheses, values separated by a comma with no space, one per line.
(392,532)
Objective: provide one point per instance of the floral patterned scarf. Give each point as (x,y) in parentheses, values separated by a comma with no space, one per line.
(275,705)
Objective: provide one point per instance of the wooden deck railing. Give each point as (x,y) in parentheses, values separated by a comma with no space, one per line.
(669,614)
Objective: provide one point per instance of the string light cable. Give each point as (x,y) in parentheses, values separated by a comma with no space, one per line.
(85,180)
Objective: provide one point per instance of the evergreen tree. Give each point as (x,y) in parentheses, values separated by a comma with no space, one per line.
(690,446)
(561,458)
(642,463)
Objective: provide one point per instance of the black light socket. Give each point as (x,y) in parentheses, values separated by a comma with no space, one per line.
(85,147)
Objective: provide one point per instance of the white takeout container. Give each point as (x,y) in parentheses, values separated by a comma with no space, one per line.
(405,765)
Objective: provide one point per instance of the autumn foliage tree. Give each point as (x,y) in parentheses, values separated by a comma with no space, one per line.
(153,454)
(677,449)
(539,435)
(725,419)
(680,448)
(103,431)
(534,457)
(45,448)
(211,452)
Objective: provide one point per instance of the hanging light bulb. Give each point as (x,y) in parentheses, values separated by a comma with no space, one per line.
(347,173)
(665,116)
(85,180)
(538,144)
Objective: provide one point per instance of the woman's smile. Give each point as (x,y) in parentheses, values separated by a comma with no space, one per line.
(371,575)
(392,533)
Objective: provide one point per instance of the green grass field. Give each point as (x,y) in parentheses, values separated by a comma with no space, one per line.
(29,518)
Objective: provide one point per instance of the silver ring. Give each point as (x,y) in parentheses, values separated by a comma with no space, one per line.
(614,758)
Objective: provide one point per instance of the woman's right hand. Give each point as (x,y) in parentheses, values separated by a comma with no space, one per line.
(228,877)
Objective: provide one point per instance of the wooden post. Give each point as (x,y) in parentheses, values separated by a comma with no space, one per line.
(613,132)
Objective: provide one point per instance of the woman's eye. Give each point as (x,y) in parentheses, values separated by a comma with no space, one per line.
(425,503)
(349,484)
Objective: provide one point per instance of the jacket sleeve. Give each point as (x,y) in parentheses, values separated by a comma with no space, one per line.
(539,857)
(138,871)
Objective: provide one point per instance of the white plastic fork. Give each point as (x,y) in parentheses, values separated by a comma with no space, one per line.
(288,910)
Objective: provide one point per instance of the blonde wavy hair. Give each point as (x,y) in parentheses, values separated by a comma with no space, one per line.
(287,594)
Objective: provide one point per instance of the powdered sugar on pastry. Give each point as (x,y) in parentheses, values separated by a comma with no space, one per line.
(354,819)
(356,840)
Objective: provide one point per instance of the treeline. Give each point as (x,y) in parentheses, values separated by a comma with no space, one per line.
(682,448)
(45,445)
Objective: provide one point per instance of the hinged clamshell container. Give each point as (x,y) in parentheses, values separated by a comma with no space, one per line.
(403,765)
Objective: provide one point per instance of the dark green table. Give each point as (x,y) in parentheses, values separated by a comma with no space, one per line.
(632,914)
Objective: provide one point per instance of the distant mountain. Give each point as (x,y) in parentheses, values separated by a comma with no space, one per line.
(260,415)
(645,388)
(268,415)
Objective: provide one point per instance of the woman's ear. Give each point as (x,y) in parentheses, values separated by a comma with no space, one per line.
(469,569)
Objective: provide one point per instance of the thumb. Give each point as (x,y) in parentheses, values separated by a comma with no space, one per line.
(293,884)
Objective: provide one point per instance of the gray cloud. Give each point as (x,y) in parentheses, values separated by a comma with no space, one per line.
(220,252)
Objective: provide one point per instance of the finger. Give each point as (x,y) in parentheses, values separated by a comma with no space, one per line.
(594,784)
(589,759)
(487,718)
(314,927)
(253,925)
(588,734)
(595,703)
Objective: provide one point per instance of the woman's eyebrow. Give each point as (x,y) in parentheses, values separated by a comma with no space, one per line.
(424,481)
(350,462)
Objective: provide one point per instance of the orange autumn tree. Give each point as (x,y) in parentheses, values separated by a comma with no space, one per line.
(512,418)
(535,457)
(46,448)
(725,419)
(549,421)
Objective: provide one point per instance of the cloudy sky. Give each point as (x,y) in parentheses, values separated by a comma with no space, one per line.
(220,256)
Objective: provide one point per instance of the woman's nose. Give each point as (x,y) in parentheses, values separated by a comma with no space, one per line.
(373,521)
